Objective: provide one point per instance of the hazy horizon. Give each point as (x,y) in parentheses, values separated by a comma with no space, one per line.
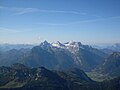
(33,21)
(97,45)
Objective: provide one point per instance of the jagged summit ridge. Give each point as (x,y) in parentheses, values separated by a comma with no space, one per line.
(58,44)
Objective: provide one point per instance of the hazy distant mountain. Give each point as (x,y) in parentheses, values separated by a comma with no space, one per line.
(56,56)
(13,56)
(7,47)
(111,66)
(109,49)
(115,47)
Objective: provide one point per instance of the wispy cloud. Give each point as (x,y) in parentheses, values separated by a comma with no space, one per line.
(57,11)
(21,11)
(53,24)
(79,22)
(95,20)
(6,30)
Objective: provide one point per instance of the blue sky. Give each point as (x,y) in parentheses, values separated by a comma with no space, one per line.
(33,21)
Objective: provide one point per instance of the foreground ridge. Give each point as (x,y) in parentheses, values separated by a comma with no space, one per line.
(20,77)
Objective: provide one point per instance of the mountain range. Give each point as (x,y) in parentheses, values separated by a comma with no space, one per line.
(56,56)
(7,47)
(60,66)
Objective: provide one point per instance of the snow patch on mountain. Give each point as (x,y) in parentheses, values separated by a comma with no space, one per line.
(58,44)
